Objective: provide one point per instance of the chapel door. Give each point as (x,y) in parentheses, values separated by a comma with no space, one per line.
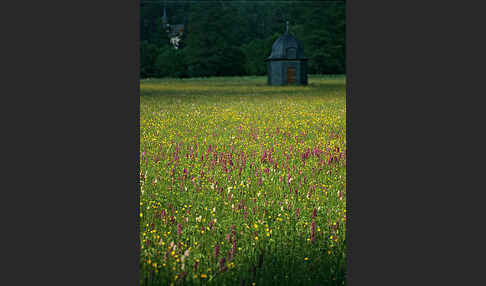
(291,75)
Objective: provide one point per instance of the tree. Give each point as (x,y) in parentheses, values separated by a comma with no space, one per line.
(170,63)
(229,38)
(148,53)
(153,38)
(211,46)
(324,39)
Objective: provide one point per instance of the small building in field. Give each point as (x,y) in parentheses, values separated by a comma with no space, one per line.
(287,63)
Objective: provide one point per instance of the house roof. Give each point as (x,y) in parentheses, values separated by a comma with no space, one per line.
(177,29)
(284,42)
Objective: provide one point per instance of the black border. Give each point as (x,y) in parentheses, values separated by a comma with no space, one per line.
(72,74)
(412,70)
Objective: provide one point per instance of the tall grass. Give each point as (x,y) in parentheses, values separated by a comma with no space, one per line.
(242,183)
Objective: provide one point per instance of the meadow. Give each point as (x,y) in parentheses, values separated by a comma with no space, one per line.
(242,183)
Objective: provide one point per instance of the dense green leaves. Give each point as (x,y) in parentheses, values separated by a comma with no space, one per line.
(234,37)
(170,63)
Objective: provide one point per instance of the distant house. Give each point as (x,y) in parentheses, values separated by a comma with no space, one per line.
(175,31)
(287,63)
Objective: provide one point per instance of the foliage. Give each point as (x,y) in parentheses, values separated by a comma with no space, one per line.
(170,63)
(233,38)
(148,54)
(211,44)
(242,183)
(255,52)
(325,46)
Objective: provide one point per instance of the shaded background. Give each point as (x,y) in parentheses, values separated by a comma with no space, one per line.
(226,38)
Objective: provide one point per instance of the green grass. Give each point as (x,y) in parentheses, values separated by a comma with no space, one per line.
(233,160)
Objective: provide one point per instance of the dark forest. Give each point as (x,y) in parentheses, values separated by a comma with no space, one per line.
(233,38)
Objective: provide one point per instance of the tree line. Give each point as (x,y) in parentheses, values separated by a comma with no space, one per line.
(226,38)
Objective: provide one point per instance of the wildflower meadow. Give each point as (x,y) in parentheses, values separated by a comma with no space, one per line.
(242,183)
